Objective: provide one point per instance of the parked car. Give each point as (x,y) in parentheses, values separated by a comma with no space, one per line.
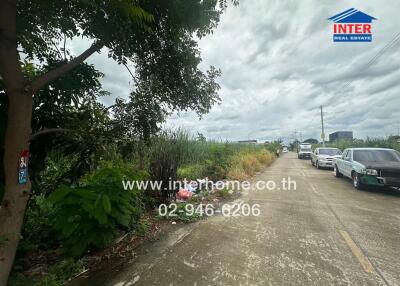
(369,167)
(323,157)
(304,151)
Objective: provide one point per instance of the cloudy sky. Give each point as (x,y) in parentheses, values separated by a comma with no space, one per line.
(279,65)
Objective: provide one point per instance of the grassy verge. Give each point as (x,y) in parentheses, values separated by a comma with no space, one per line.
(83,216)
(246,164)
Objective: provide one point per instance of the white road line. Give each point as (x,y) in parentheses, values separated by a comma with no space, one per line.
(313,188)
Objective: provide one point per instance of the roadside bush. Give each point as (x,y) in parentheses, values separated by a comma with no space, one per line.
(272,147)
(191,172)
(265,157)
(183,216)
(58,169)
(251,164)
(219,156)
(89,216)
(224,193)
(37,231)
(369,142)
(246,163)
(168,152)
(54,276)
(237,173)
(61,272)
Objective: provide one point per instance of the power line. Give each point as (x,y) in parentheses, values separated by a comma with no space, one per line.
(389,45)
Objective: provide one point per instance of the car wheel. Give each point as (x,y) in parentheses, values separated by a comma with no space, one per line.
(317,165)
(357,181)
(337,173)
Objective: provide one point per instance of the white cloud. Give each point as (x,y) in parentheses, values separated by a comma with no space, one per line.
(279,64)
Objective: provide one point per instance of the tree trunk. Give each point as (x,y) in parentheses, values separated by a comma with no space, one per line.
(20,102)
(17,139)
(16,195)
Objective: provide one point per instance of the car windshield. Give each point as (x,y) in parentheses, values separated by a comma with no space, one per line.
(331,152)
(376,156)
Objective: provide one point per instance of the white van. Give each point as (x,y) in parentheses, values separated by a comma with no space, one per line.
(304,151)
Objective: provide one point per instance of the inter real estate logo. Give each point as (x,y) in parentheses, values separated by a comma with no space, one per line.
(352,26)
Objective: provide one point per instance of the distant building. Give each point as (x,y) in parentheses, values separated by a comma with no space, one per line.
(311,141)
(394,138)
(341,136)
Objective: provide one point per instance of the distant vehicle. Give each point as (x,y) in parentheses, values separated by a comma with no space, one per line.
(323,157)
(285,150)
(304,151)
(369,167)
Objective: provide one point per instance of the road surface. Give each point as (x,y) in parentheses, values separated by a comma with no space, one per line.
(323,233)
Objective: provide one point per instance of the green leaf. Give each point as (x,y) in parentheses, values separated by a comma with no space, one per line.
(59,194)
(106,204)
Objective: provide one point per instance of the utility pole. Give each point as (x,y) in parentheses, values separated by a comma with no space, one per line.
(322,124)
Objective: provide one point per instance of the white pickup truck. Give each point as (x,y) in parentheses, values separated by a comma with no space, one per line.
(323,157)
(376,167)
(304,151)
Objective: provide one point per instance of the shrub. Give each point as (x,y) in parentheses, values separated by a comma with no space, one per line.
(191,172)
(183,216)
(237,173)
(265,157)
(89,216)
(219,156)
(37,230)
(61,272)
(58,169)
(55,276)
(168,152)
(247,163)
(369,142)
(224,193)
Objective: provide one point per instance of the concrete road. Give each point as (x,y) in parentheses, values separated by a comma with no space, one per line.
(323,233)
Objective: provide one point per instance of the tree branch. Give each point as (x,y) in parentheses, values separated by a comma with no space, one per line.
(125,65)
(110,107)
(65,40)
(61,70)
(48,130)
(10,67)
(55,46)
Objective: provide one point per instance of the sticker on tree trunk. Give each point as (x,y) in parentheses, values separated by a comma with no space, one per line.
(23,168)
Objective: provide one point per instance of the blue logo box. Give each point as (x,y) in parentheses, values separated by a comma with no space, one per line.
(352,38)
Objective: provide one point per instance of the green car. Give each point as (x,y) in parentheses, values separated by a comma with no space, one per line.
(378,167)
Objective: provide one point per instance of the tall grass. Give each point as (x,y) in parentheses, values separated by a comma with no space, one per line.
(246,163)
(174,155)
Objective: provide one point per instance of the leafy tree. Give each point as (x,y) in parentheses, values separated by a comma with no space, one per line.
(157,36)
(139,117)
(66,117)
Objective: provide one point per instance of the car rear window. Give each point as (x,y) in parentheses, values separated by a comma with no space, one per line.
(376,155)
(330,152)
